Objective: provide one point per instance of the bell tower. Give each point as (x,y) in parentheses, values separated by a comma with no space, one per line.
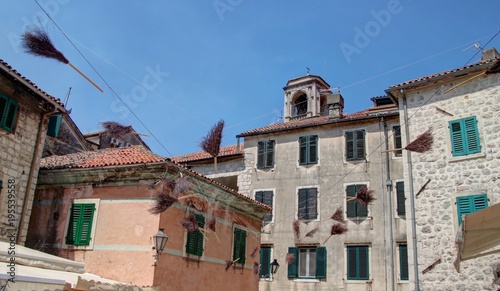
(309,96)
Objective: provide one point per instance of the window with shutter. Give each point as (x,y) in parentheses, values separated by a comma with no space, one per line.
(308,203)
(265,262)
(266,197)
(293,266)
(403,262)
(397,140)
(470,204)
(308,150)
(239,245)
(54,126)
(321,263)
(80,224)
(8,113)
(464,136)
(400,197)
(355,145)
(309,262)
(194,241)
(353,208)
(358,263)
(265,154)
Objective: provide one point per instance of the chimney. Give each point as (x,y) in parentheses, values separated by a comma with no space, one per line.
(490,54)
(335,104)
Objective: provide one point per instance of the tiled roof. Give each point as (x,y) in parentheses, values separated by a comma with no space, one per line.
(223,152)
(477,66)
(40,91)
(101,158)
(307,122)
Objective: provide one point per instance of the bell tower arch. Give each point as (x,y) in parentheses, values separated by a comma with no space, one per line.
(305,97)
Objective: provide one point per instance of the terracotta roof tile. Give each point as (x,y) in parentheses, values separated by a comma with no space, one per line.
(307,122)
(40,91)
(223,152)
(101,158)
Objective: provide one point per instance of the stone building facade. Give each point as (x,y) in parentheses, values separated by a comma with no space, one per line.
(24,115)
(459,175)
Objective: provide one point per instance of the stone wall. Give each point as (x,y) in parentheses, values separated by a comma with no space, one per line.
(451,177)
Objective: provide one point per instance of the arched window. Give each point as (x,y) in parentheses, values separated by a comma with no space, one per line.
(300,105)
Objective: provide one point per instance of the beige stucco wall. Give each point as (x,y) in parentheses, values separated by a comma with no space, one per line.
(330,176)
(450,177)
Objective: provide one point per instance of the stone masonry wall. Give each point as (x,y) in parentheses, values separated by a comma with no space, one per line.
(450,177)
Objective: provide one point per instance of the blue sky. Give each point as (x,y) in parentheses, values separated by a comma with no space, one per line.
(183,65)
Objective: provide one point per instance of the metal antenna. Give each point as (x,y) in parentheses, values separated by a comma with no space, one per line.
(67,97)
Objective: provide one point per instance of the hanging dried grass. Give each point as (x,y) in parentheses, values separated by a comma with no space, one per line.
(256,267)
(312,232)
(162,202)
(289,258)
(422,143)
(338,215)
(365,196)
(211,143)
(190,223)
(254,252)
(337,229)
(211,224)
(116,129)
(296,228)
(182,186)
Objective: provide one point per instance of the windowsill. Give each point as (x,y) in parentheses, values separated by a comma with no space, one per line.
(191,257)
(307,280)
(361,281)
(90,247)
(403,281)
(358,161)
(467,157)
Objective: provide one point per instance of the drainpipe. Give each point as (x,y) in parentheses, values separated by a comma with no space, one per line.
(412,197)
(388,184)
(31,176)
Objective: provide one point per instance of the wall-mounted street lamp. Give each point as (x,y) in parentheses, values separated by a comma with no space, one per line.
(274,267)
(160,240)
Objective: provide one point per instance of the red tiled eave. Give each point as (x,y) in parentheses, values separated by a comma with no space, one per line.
(223,152)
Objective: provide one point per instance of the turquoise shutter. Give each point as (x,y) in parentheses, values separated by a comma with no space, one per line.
(303,205)
(360,145)
(293,267)
(265,262)
(403,262)
(351,205)
(349,145)
(400,197)
(470,204)
(302,150)
(471,134)
(54,126)
(321,263)
(3,109)
(87,216)
(457,138)
(260,154)
(8,112)
(80,224)
(73,223)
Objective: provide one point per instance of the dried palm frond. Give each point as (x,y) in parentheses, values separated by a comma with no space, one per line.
(312,232)
(256,267)
(296,228)
(254,252)
(211,143)
(338,215)
(363,197)
(37,42)
(289,258)
(182,186)
(190,223)
(162,202)
(337,229)
(116,129)
(211,223)
(421,144)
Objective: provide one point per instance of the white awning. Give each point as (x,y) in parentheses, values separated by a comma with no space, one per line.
(479,235)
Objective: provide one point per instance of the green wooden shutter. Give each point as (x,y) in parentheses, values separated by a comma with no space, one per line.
(80,225)
(400,197)
(3,109)
(73,223)
(349,145)
(357,263)
(260,154)
(352,273)
(265,197)
(472,136)
(54,125)
(312,203)
(363,268)
(239,248)
(457,139)
(293,267)
(351,205)
(321,263)
(8,113)
(397,140)
(403,262)
(360,144)
(194,240)
(313,149)
(265,262)
(470,204)
(87,217)
(302,150)
(303,204)
(269,157)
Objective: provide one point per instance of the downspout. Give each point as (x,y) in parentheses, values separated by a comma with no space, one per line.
(31,176)
(412,197)
(388,184)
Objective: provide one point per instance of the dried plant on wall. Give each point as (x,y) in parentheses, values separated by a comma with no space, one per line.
(211,143)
